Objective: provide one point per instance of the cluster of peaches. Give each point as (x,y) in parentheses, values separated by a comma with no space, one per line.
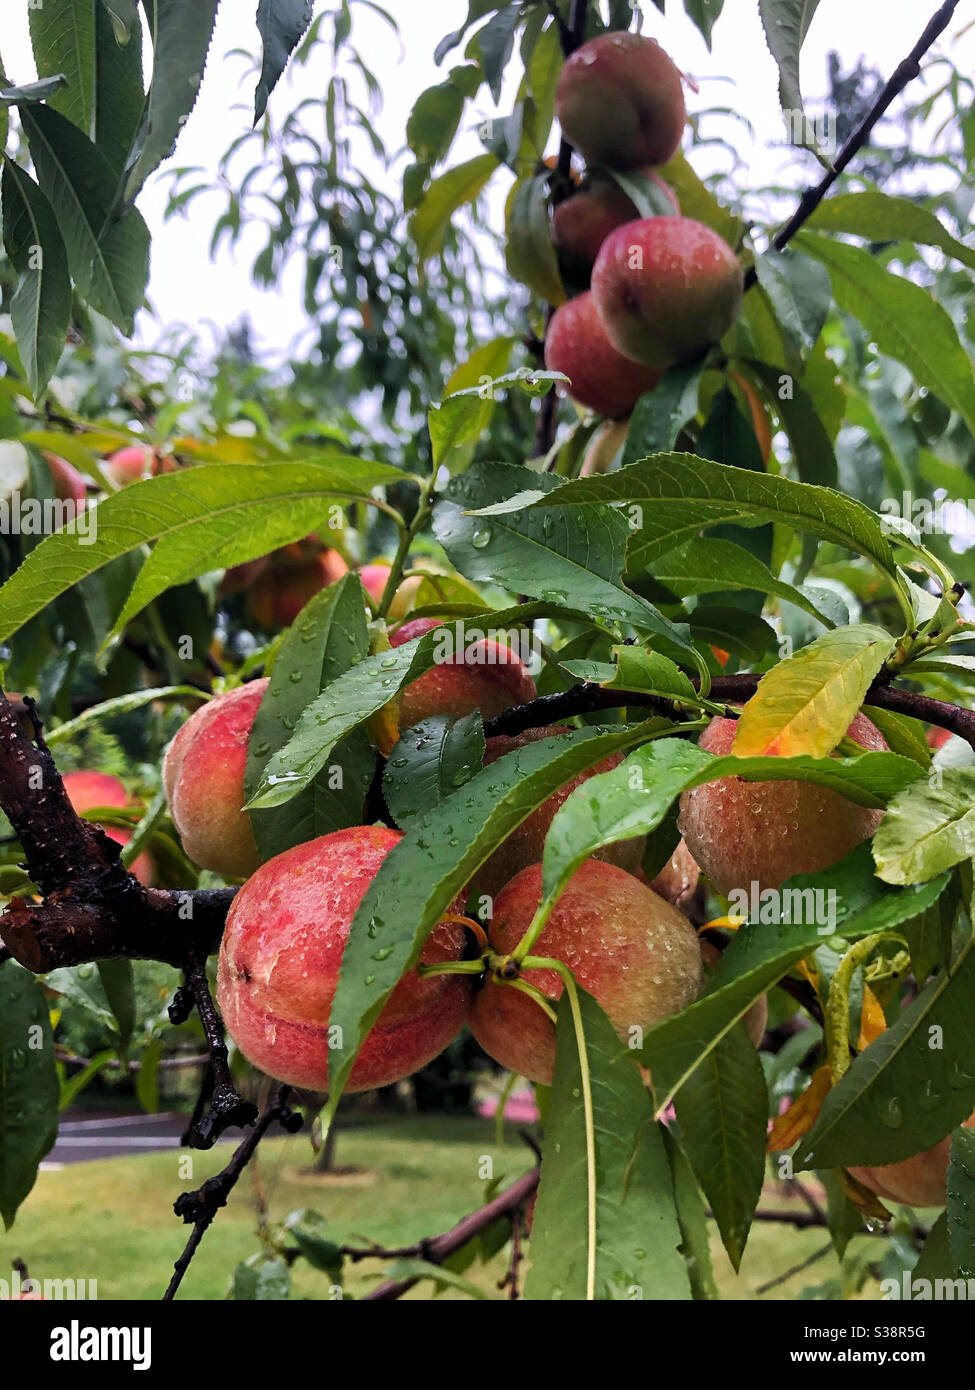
(662,289)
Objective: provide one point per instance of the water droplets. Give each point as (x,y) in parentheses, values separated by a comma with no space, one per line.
(481,537)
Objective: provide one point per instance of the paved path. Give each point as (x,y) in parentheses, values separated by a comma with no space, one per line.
(85,1136)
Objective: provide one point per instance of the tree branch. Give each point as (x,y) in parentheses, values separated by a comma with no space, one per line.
(589,698)
(903,74)
(435,1251)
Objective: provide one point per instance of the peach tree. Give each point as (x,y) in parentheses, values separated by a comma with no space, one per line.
(609,695)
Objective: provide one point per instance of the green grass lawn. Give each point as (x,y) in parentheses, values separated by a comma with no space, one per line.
(113,1220)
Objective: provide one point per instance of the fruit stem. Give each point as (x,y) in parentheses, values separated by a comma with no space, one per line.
(451,967)
(533,992)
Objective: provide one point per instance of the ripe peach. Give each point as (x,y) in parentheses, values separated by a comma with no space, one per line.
(602,378)
(666,288)
(582,223)
(488,676)
(764,832)
(678,879)
(89,790)
(620,102)
(203,777)
(374,579)
(282,589)
(637,955)
(918,1181)
(525,844)
(280,958)
(130,465)
(238,578)
(69,485)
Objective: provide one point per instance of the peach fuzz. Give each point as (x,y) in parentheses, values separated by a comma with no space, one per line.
(203,777)
(491,679)
(280,959)
(637,955)
(742,833)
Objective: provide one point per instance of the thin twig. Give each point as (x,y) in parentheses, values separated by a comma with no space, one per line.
(903,74)
(796,1269)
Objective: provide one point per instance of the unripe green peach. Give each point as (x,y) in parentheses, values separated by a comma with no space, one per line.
(525,844)
(601,378)
(744,833)
(620,102)
(666,289)
(203,777)
(280,959)
(582,223)
(918,1181)
(636,955)
(488,677)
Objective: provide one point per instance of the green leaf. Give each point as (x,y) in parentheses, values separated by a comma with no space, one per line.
(28,1086)
(633,799)
(41,304)
(463,415)
(433,122)
(763,951)
(261,1280)
(904,320)
(63,39)
(328,638)
(147,1077)
(961,1202)
(307,1229)
(124,17)
(722,1110)
(806,703)
(800,293)
(43,90)
(435,860)
(121,704)
(119,986)
(119,90)
(910,1087)
(692,1216)
(928,828)
(343,706)
(637,1235)
(280,24)
(697,200)
(435,758)
(181,32)
(935,1261)
(411,1268)
(680,495)
(573,557)
(651,673)
(786,23)
(530,252)
(429,223)
(661,414)
(108,260)
(812,448)
(843,1219)
(712,565)
(494,45)
(705,14)
(882,217)
(200,518)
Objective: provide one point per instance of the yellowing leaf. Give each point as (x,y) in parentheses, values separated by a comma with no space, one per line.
(806,703)
(862,1197)
(872,1020)
(801,1115)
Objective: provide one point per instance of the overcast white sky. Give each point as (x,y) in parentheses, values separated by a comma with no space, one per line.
(187,287)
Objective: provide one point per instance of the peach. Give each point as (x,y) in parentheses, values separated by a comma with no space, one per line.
(666,289)
(678,879)
(130,465)
(87,791)
(203,777)
(637,956)
(742,833)
(620,102)
(582,223)
(69,485)
(918,1181)
(526,842)
(601,378)
(281,590)
(239,578)
(374,579)
(489,677)
(280,959)
(604,447)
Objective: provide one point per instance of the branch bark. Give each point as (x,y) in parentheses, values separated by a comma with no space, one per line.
(903,74)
